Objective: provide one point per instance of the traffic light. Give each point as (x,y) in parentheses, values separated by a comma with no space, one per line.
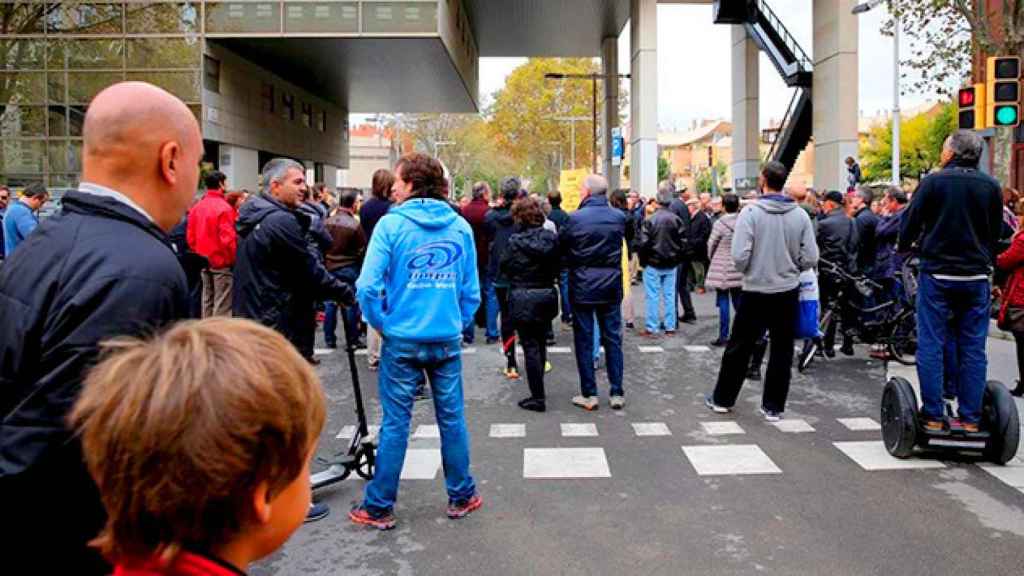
(967,100)
(1003,88)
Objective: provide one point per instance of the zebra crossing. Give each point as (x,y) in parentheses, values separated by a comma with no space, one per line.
(472,350)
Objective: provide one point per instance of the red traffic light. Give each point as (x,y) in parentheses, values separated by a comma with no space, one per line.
(966,97)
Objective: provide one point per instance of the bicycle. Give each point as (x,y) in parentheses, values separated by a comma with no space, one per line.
(891,324)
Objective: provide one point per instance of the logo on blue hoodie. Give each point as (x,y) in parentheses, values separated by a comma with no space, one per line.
(429,261)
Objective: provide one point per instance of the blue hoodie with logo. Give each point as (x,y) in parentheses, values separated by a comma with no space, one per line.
(419,279)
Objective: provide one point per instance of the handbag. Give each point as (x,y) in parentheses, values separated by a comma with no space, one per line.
(1011,318)
(807,315)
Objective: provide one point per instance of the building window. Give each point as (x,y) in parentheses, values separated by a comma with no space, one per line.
(287,106)
(267,94)
(211,74)
(321,123)
(307,115)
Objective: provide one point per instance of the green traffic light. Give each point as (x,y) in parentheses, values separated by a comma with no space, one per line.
(1006,115)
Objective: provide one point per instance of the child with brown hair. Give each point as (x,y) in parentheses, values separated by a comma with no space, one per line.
(199,441)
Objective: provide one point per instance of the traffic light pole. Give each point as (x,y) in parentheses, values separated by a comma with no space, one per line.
(896,99)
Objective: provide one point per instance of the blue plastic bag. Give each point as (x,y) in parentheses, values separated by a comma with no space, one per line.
(807,316)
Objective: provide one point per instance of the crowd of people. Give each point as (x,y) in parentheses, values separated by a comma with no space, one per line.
(179,446)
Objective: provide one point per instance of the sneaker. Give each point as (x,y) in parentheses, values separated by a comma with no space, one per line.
(830,352)
(533,404)
(617,402)
(670,332)
(313,360)
(588,403)
(647,334)
(511,373)
(548,367)
(934,425)
(462,508)
(360,515)
(771,415)
(715,407)
(970,427)
(689,319)
(317,511)
(719,343)
(332,345)
(847,349)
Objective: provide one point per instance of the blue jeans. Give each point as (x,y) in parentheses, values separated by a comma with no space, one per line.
(609,319)
(563,290)
(722,300)
(958,311)
(403,366)
(349,315)
(491,302)
(660,288)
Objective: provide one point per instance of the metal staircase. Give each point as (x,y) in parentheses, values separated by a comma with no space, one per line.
(789,59)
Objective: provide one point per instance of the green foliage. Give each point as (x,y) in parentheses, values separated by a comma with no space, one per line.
(664,169)
(921,139)
(703,180)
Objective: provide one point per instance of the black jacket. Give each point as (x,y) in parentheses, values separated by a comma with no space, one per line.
(591,248)
(699,232)
(500,226)
(956,216)
(97,270)
(678,207)
(275,266)
(866,223)
(837,239)
(662,239)
(559,217)
(530,263)
(372,210)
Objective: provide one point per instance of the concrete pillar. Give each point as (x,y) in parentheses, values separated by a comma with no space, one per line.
(610,69)
(643,169)
(331,176)
(746,137)
(241,166)
(834,92)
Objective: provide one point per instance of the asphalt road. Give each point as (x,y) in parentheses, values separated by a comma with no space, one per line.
(698,494)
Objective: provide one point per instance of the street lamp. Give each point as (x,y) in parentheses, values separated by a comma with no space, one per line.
(593,82)
(572,120)
(860,9)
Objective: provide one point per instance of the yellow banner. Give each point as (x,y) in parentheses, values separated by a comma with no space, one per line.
(569,187)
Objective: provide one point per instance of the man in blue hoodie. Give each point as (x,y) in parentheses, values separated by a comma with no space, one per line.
(419,288)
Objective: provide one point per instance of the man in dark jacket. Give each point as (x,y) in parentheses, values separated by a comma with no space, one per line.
(678,207)
(660,247)
(699,233)
(476,214)
(100,269)
(866,222)
(275,268)
(561,218)
(955,218)
(888,262)
(344,260)
(837,244)
(500,227)
(853,174)
(591,248)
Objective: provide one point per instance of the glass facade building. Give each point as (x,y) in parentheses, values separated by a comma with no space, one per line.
(55,56)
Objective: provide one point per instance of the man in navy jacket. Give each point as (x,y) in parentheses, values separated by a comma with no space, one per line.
(100,269)
(591,246)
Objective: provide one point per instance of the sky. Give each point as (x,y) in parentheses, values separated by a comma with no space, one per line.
(694,63)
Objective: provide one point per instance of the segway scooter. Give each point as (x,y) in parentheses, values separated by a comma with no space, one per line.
(903,429)
(361,453)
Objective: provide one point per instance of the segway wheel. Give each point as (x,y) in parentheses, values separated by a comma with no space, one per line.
(899,418)
(1001,419)
(366,464)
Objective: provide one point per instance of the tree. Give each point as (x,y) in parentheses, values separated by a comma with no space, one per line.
(705,177)
(921,139)
(664,169)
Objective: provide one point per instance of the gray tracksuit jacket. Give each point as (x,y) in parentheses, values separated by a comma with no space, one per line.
(773,243)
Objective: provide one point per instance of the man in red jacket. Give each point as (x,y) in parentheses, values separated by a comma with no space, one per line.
(211,234)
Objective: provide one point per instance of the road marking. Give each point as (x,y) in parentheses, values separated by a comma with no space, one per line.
(559,463)
(650,349)
(322,352)
(795,426)
(732,459)
(872,455)
(421,464)
(350,431)
(427,431)
(470,350)
(559,350)
(573,429)
(722,428)
(1012,474)
(362,352)
(697,348)
(508,430)
(651,429)
(859,424)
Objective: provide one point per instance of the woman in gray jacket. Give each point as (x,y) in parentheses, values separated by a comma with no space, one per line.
(722,275)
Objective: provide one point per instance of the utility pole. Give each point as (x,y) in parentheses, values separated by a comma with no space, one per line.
(593,83)
(572,120)
(860,9)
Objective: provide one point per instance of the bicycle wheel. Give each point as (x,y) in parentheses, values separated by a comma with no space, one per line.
(806,357)
(902,342)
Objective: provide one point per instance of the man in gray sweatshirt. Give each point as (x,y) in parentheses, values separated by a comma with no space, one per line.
(773,243)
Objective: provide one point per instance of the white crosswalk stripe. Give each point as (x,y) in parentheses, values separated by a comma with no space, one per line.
(579,430)
(793,426)
(697,348)
(651,429)
(562,463)
(1012,474)
(859,424)
(559,350)
(427,431)
(508,430)
(650,349)
(730,459)
(421,464)
(722,428)
(872,455)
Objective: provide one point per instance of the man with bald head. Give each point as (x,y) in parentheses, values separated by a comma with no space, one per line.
(591,244)
(100,269)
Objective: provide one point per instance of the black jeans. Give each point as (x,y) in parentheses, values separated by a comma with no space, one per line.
(532,337)
(508,330)
(757,313)
(683,288)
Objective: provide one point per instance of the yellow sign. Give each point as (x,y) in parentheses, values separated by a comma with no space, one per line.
(569,187)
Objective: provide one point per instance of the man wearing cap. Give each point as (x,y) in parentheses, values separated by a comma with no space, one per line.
(837,244)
